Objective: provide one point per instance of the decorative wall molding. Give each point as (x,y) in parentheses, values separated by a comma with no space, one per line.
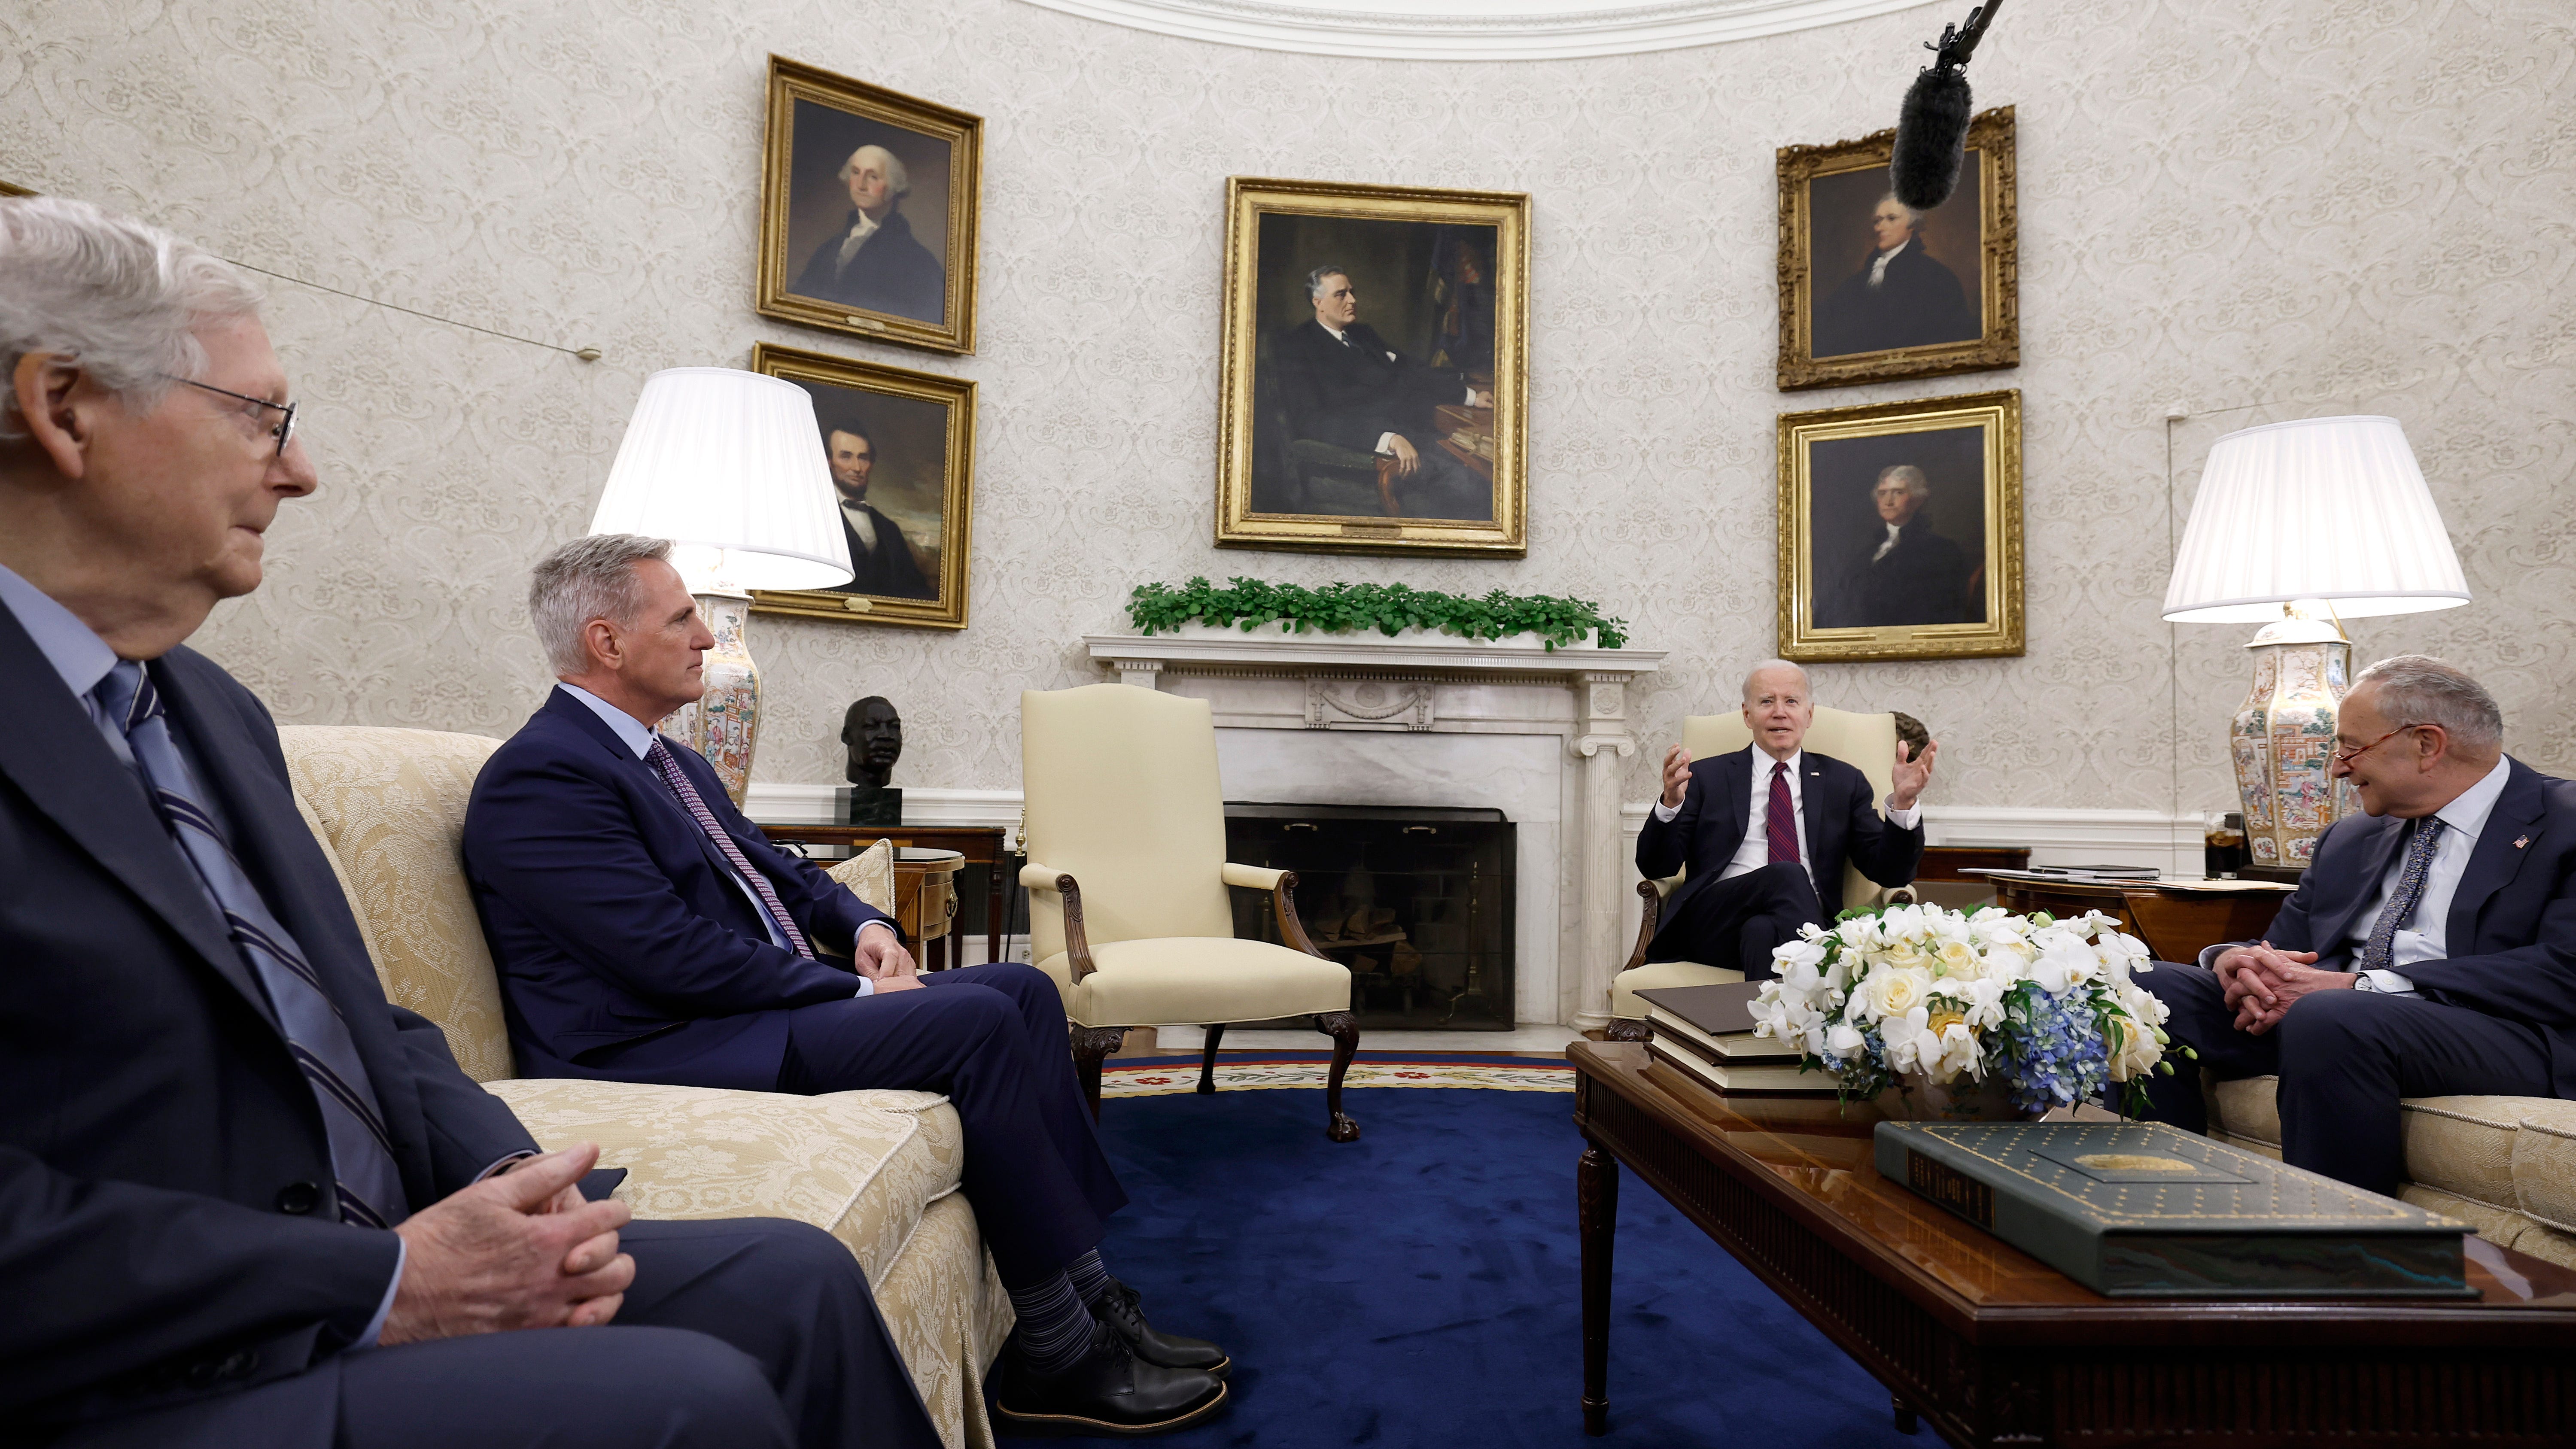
(1474,29)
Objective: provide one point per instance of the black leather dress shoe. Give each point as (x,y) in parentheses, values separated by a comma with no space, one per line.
(1120,1309)
(1110,1391)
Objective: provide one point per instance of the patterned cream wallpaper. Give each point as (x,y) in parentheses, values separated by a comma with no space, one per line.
(2250,211)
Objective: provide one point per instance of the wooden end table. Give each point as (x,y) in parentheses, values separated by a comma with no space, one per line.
(2175,920)
(925,902)
(1994,1347)
(986,845)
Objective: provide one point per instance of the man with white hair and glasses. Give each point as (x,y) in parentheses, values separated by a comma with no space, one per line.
(243,1199)
(2429,951)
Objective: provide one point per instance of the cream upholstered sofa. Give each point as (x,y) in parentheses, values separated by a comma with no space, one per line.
(1866,742)
(878,1170)
(2504,1165)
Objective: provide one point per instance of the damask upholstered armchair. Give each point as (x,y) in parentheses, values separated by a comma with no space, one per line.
(1866,742)
(1127,881)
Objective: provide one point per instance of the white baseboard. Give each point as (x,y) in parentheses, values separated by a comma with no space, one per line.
(922,805)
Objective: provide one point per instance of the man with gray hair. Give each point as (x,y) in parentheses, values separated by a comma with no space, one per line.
(226,1162)
(1764,832)
(873,262)
(2429,951)
(645,931)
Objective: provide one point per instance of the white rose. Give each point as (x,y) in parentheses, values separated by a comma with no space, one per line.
(1893,992)
(1959,959)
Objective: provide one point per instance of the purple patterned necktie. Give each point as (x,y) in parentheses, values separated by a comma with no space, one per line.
(2381,948)
(696,805)
(1780,821)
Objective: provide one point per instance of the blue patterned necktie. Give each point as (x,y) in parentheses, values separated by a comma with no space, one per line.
(2381,947)
(362,1159)
(661,758)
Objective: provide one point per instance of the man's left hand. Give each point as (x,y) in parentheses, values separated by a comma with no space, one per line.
(2287,984)
(1911,774)
(1480,397)
(880,957)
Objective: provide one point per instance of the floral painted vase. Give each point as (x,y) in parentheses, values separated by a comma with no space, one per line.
(724,724)
(2281,741)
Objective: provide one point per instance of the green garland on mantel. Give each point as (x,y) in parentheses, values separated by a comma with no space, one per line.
(1387,608)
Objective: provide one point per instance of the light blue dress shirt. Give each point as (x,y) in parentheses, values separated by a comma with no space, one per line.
(83,659)
(632,733)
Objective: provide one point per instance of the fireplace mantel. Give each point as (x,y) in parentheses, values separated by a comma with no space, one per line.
(1326,719)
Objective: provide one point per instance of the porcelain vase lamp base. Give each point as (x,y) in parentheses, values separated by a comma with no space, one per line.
(724,724)
(2281,742)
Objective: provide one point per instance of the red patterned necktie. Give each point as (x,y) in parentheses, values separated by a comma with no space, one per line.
(1780,821)
(696,805)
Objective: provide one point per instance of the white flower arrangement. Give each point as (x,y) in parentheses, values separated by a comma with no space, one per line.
(2045,1006)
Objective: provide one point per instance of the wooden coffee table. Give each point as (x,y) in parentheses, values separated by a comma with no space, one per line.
(1995,1347)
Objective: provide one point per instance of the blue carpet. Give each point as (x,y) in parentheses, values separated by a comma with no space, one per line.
(1418,1288)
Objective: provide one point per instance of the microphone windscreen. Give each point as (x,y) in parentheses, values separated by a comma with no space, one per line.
(1931,132)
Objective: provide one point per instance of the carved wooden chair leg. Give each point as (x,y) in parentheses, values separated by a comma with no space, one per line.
(1090,1045)
(1623,1029)
(1207,1058)
(1344,1029)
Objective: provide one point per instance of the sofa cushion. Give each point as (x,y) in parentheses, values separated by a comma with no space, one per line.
(1655,976)
(870,876)
(2243,1110)
(389,806)
(860,1165)
(1193,980)
(2544,1161)
(2463,1145)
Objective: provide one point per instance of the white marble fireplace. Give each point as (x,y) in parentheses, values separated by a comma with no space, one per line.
(1430,719)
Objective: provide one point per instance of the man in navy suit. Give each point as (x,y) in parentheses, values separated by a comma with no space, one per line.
(243,1199)
(2429,951)
(646,931)
(1765,847)
(1345,386)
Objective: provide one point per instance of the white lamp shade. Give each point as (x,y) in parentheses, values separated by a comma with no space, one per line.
(2326,508)
(728,465)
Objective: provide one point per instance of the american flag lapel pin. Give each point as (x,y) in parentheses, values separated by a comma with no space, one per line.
(2521,841)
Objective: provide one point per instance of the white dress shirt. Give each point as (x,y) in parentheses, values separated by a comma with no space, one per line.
(1755,850)
(632,734)
(2426,938)
(1386,441)
(1878,269)
(862,525)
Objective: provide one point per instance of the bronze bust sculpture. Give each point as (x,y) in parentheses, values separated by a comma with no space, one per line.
(873,732)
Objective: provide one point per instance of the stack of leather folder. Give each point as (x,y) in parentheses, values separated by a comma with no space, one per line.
(1707,1032)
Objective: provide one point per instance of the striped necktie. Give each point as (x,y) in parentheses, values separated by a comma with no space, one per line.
(1780,818)
(2381,948)
(362,1156)
(690,800)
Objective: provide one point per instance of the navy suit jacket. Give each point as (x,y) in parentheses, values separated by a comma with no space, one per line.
(156,1139)
(1843,824)
(2512,927)
(624,947)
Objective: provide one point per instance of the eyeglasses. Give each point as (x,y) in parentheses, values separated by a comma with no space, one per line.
(284,432)
(2346,757)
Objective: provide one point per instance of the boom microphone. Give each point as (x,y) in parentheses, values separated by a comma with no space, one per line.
(1932,128)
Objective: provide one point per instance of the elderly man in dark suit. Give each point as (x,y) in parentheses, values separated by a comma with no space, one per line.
(875,263)
(645,931)
(226,1163)
(2429,951)
(1904,573)
(1901,297)
(1765,832)
(1344,385)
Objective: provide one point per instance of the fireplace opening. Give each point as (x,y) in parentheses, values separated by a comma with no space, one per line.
(1416,900)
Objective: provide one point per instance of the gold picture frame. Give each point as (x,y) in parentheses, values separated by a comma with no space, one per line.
(9,188)
(1932,572)
(893,282)
(1320,451)
(879,423)
(1926,312)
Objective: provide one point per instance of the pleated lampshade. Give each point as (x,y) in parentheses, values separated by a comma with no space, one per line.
(2332,509)
(728,466)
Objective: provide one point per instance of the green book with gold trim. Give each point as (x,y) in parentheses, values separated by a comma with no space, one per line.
(2143,1210)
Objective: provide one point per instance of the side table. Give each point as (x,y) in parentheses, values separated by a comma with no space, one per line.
(985,845)
(925,901)
(2175,919)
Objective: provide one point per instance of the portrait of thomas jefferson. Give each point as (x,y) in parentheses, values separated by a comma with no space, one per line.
(872,260)
(1898,525)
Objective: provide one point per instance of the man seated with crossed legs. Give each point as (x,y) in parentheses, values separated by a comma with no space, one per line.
(2429,951)
(646,932)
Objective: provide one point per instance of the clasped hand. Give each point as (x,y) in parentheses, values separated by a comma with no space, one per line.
(882,959)
(2263,983)
(522,1249)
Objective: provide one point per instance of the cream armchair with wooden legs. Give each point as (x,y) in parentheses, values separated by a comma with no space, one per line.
(1866,742)
(1127,881)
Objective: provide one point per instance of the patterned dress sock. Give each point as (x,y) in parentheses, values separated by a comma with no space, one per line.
(1090,1279)
(1055,1328)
